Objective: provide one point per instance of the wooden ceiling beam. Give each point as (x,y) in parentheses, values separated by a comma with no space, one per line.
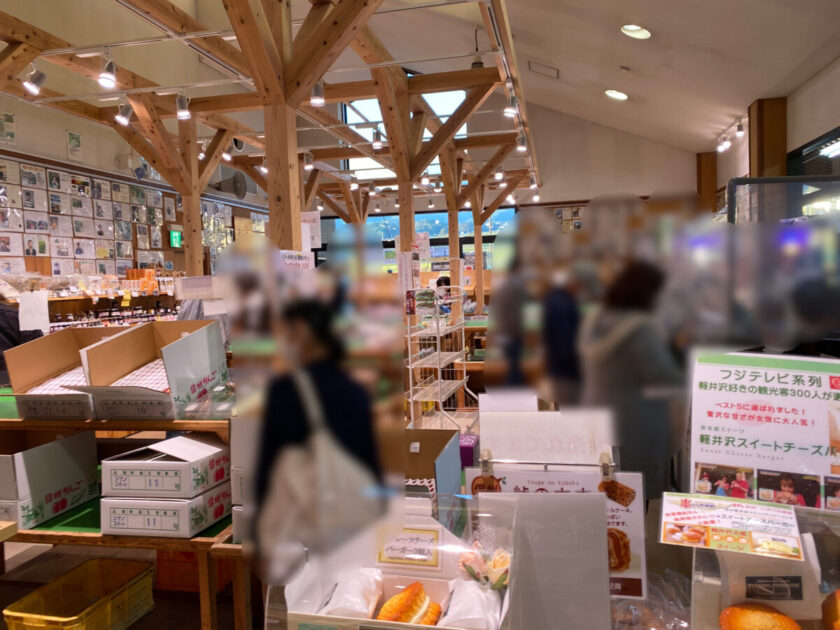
(340,212)
(253,173)
(310,187)
(149,153)
(258,45)
(157,135)
(13,59)
(474,99)
(73,107)
(314,18)
(345,133)
(353,209)
(212,156)
(173,19)
(512,183)
(392,93)
(327,41)
(484,172)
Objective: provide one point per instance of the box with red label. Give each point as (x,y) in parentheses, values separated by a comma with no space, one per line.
(39,483)
(169,518)
(178,468)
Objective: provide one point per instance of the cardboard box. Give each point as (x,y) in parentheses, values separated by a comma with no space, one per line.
(193,357)
(245,433)
(179,468)
(39,483)
(433,466)
(37,362)
(170,518)
(241,483)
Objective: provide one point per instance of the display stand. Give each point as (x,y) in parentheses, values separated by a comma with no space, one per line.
(65,533)
(436,348)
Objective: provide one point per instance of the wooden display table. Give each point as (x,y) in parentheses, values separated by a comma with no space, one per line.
(241,580)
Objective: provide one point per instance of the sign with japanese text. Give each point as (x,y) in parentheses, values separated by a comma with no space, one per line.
(411,546)
(767,427)
(726,524)
(625,515)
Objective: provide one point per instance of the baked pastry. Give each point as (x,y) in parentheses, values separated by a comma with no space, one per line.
(618,492)
(831,611)
(411,606)
(755,617)
(618,546)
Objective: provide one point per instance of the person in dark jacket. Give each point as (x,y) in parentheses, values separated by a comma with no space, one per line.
(11,335)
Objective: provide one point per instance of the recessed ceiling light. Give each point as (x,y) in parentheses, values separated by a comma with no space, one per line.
(635,31)
(616,95)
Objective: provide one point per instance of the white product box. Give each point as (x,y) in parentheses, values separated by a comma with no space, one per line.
(178,468)
(245,432)
(170,518)
(193,359)
(37,370)
(39,483)
(241,483)
(242,521)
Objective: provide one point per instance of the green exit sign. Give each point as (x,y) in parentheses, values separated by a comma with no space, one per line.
(176,239)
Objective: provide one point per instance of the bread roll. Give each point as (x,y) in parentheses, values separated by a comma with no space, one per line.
(755,617)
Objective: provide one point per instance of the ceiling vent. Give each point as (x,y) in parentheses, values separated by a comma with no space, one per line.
(543,69)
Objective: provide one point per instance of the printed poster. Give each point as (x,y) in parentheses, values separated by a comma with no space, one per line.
(61,247)
(625,515)
(74,146)
(81,206)
(169,209)
(101,189)
(84,248)
(12,265)
(7,129)
(103,209)
(120,192)
(13,198)
(11,220)
(58,180)
(63,267)
(36,221)
(726,524)
(33,176)
(80,185)
(61,226)
(9,170)
(767,427)
(123,266)
(313,220)
(10,244)
(33,199)
(36,245)
(106,267)
(59,203)
(105,249)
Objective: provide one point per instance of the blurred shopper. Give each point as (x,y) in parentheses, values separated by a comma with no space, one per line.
(507,319)
(11,335)
(317,468)
(622,355)
(562,311)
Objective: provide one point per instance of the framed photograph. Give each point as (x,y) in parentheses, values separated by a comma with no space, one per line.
(142,259)
(12,265)
(33,199)
(74,146)
(58,180)
(84,248)
(104,229)
(123,265)
(59,203)
(101,189)
(169,209)
(155,237)
(13,196)
(102,209)
(7,129)
(124,249)
(83,227)
(63,267)
(155,216)
(81,206)
(10,244)
(11,220)
(36,222)
(120,193)
(154,198)
(9,171)
(33,176)
(156,259)
(84,267)
(139,214)
(143,239)
(105,249)
(60,226)
(106,267)
(120,212)
(80,185)
(137,195)
(122,230)
(36,245)
(61,247)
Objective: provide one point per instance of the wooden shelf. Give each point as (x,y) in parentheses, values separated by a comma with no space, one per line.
(7,530)
(114,425)
(47,537)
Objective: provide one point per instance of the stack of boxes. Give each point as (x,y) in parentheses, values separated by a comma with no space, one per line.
(245,432)
(176,488)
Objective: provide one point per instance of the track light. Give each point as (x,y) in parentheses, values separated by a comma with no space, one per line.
(511,199)
(316,99)
(203,153)
(182,105)
(739,130)
(372,189)
(263,168)
(108,76)
(468,204)
(724,144)
(377,139)
(533,183)
(308,164)
(354,185)
(425,179)
(226,155)
(320,206)
(396,203)
(522,143)
(502,184)
(511,109)
(499,174)
(377,208)
(431,203)
(34,81)
(123,115)
(536,197)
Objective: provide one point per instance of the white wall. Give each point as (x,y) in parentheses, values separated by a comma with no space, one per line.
(580,160)
(814,108)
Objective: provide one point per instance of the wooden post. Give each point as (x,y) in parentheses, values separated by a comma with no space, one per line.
(768,137)
(284,200)
(207,590)
(707,180)
(191,200)
(406,197)
(448,174)
(477,207)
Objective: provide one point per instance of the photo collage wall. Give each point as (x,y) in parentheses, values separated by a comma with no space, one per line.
(85,225)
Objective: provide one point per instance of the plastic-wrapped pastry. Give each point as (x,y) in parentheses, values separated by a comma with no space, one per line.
(411,606)
(472,606)
(618,546)
(356,595)
(617,491)
(755,617)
